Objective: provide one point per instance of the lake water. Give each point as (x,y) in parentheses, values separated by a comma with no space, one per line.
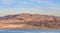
(22,30)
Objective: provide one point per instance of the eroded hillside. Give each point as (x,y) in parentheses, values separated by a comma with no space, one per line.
(26,20)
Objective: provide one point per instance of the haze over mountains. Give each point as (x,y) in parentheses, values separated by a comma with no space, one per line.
(26,20)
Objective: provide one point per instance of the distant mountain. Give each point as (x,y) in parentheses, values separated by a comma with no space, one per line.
(26,20)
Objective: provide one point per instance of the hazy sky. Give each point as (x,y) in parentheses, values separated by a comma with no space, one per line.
(50,7)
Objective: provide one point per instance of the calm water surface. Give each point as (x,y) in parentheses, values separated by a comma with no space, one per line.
(22,30)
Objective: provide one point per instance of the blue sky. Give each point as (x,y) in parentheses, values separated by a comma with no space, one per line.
(49,7)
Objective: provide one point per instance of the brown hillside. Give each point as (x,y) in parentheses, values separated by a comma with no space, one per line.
(26,20)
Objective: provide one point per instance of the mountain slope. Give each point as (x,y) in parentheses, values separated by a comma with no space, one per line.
(26,20)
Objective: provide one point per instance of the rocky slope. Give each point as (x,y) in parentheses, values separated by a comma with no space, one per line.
(26,20)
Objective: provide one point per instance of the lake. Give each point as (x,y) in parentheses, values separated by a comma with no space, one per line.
(27,30)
